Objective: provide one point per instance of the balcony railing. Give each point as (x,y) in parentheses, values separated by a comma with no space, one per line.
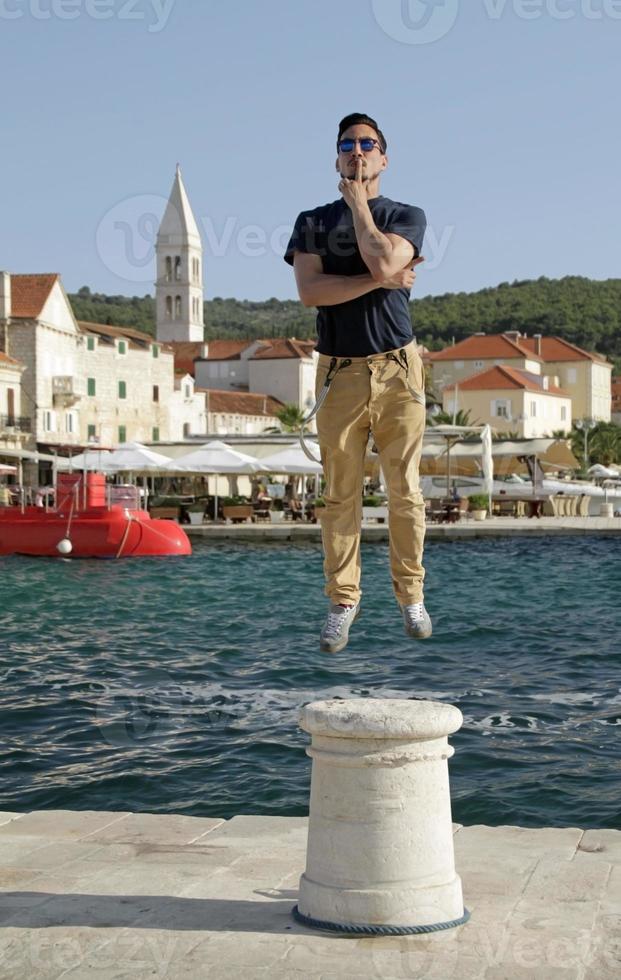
(66,389)
(19,424)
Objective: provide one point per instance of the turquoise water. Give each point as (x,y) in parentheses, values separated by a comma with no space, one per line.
(173,685)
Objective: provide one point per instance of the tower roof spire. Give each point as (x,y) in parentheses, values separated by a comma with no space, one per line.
(178,225)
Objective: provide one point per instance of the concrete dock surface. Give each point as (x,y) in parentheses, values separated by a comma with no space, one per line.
(494,527)
(115,896)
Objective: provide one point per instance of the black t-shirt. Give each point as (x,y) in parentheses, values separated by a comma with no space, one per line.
(379,320)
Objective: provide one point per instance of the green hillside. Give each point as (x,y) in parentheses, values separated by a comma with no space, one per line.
(584,311)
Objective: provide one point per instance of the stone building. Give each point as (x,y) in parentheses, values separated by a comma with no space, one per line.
(283,369)
(87,383)
(240,412)
(15,428)
(127,385)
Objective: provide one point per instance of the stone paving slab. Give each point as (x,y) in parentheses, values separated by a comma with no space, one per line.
(174,897)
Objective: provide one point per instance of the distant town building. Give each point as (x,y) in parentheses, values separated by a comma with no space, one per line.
(240,412)
(512,400)
(282,368)
(583,376)
(616,400)
(15,428)
(85,383)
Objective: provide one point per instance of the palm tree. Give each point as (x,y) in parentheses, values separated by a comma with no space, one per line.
(605,445)
(290,418)
(499,436)
(446,418)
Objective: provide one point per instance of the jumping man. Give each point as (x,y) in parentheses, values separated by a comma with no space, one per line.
(354,260)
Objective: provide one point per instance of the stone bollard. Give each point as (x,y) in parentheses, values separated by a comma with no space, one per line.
(380,841)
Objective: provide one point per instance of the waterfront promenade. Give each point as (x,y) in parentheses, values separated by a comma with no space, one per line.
(115,896)
(495,527)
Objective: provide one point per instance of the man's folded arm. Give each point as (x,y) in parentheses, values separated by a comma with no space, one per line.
(384,253)
(316,288)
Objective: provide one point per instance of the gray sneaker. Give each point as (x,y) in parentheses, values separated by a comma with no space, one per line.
(417,621)
(335,633)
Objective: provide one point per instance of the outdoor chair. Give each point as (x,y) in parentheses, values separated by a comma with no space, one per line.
(437,511)
(295,510)
(261,510)
(583,505)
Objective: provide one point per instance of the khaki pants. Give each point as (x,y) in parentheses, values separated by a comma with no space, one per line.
(372,393)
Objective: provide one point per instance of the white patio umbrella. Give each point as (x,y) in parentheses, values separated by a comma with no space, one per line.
(91,459)
(133,457)
(5,469)
(600,471)
(216,458)
(292,460)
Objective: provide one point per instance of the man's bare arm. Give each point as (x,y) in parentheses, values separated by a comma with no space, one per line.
(316,288)
(383,253)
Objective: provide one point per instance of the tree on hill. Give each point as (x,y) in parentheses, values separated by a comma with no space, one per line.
(584,311)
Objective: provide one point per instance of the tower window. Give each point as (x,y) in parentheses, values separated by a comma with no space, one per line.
(169,307)
(177,268)
(177,307)
(168,268)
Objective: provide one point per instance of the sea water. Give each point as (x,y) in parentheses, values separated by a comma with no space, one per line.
(174,685)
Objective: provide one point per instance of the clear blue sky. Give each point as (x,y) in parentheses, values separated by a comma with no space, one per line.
(504,129)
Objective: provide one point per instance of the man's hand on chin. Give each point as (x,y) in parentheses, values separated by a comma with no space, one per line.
(355,191)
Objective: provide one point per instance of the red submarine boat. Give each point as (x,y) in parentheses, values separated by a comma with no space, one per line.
(89,520)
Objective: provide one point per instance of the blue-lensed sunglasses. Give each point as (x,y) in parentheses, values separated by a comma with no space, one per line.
(367,143)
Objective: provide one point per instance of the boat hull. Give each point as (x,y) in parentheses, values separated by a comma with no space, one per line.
(97,532)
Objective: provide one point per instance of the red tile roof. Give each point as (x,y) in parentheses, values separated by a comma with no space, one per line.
(241,402)
(502,377)
(226,350)
(10,361)
(557,349)
(123,333)
(484,347)
(185,351)
(30,292)
(285,347)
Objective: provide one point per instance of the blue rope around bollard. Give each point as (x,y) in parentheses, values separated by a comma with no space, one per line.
(369,930)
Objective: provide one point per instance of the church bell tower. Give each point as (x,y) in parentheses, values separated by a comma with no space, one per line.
(179,259)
